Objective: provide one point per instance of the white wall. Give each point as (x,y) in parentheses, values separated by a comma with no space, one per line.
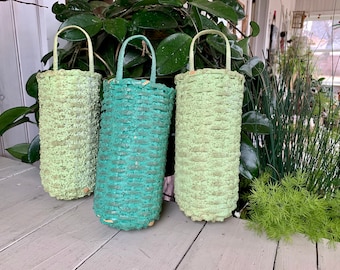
(318,6)
(26,34)
(260,16)
(263,15)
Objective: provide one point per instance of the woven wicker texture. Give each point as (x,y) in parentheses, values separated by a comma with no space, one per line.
(133,140)
(68,127)
(208,127)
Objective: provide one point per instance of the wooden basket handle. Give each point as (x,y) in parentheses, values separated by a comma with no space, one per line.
(89,44)
(119,74)
(205,32)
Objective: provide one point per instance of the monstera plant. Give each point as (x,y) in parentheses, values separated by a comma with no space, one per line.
(170,26)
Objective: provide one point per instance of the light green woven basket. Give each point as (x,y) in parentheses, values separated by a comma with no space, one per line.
(208,128)
(68,127)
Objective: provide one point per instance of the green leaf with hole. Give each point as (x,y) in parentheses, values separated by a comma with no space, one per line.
(8,118)
(90,23)
(154,20)
(216,8)
(116,27)
(255,122)
(172,53)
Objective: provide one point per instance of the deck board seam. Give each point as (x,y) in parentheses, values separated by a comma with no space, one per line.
(96,250)
(17,173)
(190,246)
(39,227)
(276,251)
(317,256)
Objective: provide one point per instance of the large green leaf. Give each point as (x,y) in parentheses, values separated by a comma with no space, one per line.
(61,11)
(249,161)
(197,18)
(32,86)
(216,8)
(47,57)
(22,120)
(33,153)
(80,5)
(136,72)
(8,118)
(133,58)
(98,4)
(154,20)
(236,51)
(143,3)
(217,42)
(255,29)
(255,122)
(58,8)
(175,3)
(26,152)
(19,151)
(107,51)
(114,11)
(208,24)
(243,45)
(125,3)
(90,23)
(237,7)
(172,53)
(116,27)
(253,67)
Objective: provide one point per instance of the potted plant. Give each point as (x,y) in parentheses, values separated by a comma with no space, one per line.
(170,26)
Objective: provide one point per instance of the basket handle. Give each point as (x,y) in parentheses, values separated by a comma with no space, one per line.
(119,74)
(204,32)
(89,44)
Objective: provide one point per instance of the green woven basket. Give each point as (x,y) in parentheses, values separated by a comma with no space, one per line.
(208,128)
(68,127)
(135,122)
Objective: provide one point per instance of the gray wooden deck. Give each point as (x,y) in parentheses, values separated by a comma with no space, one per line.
(39,232)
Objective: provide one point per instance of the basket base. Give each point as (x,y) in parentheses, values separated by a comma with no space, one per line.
(126,227)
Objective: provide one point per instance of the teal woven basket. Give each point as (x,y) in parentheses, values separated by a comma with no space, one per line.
(207,148)
(133,140)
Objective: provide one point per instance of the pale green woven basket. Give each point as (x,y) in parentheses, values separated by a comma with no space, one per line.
(68,127)
(208,128)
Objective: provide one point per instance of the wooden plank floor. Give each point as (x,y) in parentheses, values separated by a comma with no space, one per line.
(40,232)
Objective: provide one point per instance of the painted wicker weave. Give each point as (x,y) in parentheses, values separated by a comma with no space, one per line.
(133,140)
(208,127)
(68,127)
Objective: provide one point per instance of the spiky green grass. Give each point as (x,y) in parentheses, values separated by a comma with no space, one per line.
(286,208)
